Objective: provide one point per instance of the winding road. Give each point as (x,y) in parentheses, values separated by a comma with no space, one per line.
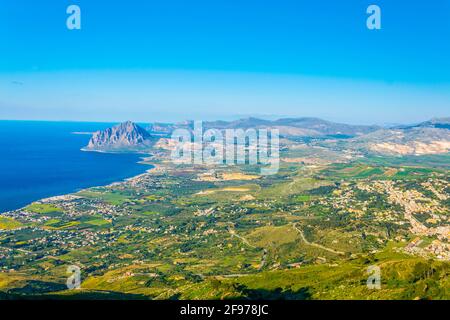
(316,244)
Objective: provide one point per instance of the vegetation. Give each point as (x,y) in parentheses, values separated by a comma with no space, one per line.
(309,232)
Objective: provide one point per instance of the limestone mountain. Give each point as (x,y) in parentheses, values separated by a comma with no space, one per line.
(430,137)
(438,123)
(126,136)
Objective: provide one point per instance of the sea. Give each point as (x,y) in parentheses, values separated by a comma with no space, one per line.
(41,159)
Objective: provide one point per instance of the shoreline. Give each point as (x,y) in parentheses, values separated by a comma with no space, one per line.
(115,151)
(142,161)
(130,179)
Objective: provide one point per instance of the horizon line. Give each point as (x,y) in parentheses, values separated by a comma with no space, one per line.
(261,117)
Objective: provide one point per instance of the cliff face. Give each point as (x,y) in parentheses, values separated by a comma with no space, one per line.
(123,137)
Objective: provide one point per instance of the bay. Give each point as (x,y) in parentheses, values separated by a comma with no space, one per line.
(40,159)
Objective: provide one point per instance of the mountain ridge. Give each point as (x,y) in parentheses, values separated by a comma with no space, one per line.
(126,136)
(302,126)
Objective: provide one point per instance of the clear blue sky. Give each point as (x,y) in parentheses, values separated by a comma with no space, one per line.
(174,59)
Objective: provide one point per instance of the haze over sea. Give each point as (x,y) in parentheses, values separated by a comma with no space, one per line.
(43,159)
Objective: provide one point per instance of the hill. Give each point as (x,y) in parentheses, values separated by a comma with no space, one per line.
(301,127)
(126,136)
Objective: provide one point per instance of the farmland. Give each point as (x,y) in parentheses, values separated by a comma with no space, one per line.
(309,232)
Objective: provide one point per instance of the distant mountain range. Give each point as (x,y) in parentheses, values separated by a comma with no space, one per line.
(424,138)
(302,127)
(430,137)
(438,123)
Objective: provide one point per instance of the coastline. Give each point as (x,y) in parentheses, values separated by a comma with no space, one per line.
(116,151)
(142,161)
(155,167)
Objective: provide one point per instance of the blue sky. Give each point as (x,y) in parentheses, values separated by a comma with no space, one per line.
(175,59)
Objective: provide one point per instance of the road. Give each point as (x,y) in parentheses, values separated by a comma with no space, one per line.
(245,241)
(316,244)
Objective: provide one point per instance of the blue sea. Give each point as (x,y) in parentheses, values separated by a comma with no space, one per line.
(43,159)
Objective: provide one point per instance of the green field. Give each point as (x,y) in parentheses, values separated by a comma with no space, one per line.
(308,232)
